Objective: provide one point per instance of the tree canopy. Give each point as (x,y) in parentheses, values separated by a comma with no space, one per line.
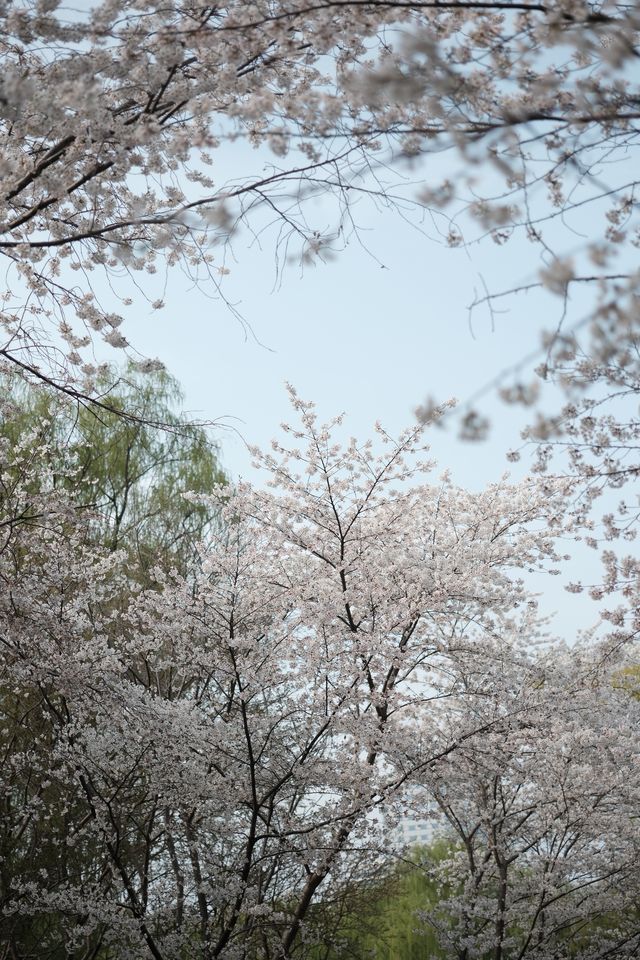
(214,709)
(216,746)
(117,172)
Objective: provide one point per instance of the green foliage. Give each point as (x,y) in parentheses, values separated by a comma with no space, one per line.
(628,680)
(382,920)
(131,470)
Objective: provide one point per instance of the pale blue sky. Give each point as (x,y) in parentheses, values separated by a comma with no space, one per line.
(370,333)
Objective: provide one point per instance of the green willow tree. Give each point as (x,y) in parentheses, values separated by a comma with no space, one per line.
(134,458)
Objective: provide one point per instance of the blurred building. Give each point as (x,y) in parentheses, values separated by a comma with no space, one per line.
(411,832)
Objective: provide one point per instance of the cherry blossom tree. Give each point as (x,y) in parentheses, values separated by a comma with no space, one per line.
(540,102)
(543,809)
(116,171)
(187,768)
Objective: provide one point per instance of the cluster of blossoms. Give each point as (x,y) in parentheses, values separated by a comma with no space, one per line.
(189,767)
(111,120)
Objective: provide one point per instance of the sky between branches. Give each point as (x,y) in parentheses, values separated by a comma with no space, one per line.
(370,333)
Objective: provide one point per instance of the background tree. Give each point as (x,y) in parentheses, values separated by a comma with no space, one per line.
(380,917)
(128,466)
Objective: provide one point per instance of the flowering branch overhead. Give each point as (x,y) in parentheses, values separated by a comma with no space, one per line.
(114,172)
